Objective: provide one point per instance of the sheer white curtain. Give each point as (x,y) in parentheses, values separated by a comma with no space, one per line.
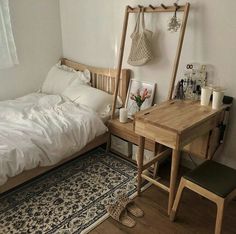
(8,55)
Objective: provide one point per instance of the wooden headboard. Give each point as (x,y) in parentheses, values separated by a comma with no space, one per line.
(103,78)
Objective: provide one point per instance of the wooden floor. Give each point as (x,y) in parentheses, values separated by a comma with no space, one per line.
(196,215)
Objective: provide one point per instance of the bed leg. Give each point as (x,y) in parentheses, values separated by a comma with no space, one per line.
(108,146)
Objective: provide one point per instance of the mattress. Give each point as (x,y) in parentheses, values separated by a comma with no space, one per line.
(41,130)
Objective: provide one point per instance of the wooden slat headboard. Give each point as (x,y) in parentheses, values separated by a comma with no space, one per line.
(103,78)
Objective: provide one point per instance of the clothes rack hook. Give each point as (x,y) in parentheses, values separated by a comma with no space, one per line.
(131,8)
(176,6)
(151,6)
(163,6)
(140,6)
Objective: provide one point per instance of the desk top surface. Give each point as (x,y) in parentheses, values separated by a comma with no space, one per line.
(177,115)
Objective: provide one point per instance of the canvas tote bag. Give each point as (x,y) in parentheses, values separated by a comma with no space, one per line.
(140,52)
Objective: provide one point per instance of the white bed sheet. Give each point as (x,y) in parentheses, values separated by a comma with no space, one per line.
(41,130)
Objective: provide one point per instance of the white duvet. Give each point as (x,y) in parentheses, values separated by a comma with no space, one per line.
(40,130)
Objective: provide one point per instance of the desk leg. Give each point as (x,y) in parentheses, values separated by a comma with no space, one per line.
(140,162)
(173,177)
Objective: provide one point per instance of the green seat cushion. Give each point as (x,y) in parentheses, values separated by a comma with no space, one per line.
(214,177)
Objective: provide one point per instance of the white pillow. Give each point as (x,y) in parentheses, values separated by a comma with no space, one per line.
(98,100)
(61,76)
(84,76)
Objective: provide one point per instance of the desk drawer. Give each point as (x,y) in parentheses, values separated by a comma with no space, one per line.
(126,132)
(154,133)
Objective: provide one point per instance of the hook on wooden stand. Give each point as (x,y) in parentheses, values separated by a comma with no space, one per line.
(176,6)
(163,6)
(151,6)
(131,8)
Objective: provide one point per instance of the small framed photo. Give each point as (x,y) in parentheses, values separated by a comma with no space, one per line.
(140,96)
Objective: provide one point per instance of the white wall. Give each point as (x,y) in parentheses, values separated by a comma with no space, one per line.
(37,31)
(91,32)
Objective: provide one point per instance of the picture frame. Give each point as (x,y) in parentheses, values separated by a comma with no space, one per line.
(138,87)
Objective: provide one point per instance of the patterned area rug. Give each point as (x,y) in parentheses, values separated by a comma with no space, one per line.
(70,199)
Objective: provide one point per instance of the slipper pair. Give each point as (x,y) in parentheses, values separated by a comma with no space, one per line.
(119,211)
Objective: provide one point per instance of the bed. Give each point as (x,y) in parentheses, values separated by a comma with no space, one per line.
(101,79)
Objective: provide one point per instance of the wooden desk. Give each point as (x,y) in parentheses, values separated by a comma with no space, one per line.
(174,124)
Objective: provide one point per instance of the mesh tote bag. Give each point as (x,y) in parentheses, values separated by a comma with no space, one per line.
(140,52)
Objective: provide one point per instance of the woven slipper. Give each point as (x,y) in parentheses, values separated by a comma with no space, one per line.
(130,205)
(119,213)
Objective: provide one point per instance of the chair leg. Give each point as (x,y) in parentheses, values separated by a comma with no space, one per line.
(177,199)
(219,216)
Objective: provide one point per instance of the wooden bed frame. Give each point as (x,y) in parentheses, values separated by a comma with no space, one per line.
(103,79)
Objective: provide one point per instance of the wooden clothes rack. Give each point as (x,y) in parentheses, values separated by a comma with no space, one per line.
(152,9)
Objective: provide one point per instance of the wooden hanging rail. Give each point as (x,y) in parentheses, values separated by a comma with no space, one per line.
(152,9)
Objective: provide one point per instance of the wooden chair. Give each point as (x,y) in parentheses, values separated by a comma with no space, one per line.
(212,180)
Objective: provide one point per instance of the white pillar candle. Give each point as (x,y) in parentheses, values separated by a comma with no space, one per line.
(123,115)
(205,96)
(217,101)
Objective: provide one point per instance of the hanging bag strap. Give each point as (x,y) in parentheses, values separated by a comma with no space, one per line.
(136,28)
(142,21)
